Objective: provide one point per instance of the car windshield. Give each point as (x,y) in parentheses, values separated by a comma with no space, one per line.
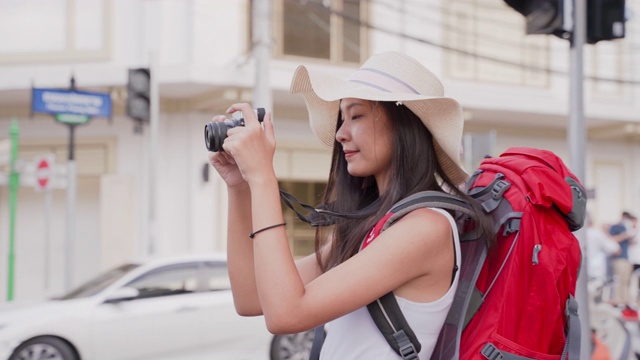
(99,282)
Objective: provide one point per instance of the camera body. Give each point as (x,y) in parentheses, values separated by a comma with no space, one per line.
(216,131)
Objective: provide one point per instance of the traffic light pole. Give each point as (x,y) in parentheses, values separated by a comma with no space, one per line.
(143,106)
(154,118)
(576,137)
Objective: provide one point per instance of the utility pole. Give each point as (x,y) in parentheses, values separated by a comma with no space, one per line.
(576,137)
(261,35)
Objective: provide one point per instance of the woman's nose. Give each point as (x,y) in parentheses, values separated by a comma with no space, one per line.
(341,134)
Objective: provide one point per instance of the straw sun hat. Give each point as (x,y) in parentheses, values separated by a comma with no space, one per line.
(388,76)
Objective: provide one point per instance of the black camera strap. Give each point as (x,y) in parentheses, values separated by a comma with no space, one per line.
(324,217)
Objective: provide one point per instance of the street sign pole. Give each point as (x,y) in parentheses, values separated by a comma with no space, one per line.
(14,182)
(71,210)
(71,121)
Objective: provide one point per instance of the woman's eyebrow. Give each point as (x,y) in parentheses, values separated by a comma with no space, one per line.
(350,106)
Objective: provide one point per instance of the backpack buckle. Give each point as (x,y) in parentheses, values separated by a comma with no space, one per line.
(491,352)
(571,307)
(408,352)
(511,226)
(405,347)
(498,189)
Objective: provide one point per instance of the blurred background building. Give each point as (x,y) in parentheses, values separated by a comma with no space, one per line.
(137,194)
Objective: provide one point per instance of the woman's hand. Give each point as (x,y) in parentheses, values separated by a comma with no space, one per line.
(251,147)
(225,164)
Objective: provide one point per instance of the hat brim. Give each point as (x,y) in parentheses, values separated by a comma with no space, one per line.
(443,116)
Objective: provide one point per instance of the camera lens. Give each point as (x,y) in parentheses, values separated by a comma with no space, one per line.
(214,135)
(207,136)
(216,131)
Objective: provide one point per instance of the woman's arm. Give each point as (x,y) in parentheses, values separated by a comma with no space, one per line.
(239,245)
(240,252)
(241,259)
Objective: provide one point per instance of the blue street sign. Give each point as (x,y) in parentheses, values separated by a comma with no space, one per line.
(56,101)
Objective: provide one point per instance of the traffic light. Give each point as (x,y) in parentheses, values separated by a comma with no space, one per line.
(139,94)
(605,20)
(542,16)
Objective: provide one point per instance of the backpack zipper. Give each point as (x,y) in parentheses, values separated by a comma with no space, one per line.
(535,260)
(536,250)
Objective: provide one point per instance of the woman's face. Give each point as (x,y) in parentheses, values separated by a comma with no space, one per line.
(365,136)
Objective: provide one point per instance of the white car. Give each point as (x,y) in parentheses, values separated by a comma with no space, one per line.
(172,308)
(292,346)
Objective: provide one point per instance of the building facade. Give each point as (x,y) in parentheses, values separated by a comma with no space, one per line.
(134,198)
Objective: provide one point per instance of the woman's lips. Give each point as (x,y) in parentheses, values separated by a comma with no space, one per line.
(349,153)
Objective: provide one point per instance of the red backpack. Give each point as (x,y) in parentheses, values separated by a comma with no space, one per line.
(516,299)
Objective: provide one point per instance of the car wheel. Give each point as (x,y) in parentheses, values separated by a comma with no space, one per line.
(44,347)
(292,346)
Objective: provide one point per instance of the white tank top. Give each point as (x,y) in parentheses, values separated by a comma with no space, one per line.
(355,335)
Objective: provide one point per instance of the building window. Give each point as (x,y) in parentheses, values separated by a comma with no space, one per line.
(491,44)
(607,62)
(322,29)
(55,30)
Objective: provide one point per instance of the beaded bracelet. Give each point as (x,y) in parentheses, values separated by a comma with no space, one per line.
(253,234)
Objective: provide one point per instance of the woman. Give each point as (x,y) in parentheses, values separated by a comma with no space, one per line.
(393,134)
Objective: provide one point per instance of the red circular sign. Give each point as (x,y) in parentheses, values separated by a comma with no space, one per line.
(43,173)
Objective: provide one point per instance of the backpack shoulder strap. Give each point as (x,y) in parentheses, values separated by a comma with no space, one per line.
(385,311)
(423,199)
(388,317)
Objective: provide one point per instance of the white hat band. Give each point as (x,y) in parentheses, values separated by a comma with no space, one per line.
(381,81)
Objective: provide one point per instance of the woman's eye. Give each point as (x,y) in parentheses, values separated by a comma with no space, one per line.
(355,117)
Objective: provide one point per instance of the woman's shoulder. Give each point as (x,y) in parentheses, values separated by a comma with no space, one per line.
(426,221)
(430,215)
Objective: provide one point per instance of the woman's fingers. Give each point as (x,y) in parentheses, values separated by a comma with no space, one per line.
(268,129)
(228,158)
(249,115)
(218,118)
(221,158)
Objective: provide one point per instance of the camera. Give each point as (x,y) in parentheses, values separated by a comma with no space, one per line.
(216,131)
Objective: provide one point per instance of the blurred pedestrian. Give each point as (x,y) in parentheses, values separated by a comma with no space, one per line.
(634,259)
(600,247)
(600,349)
(623,232)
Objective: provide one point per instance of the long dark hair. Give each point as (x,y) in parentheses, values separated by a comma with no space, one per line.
(414,168)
